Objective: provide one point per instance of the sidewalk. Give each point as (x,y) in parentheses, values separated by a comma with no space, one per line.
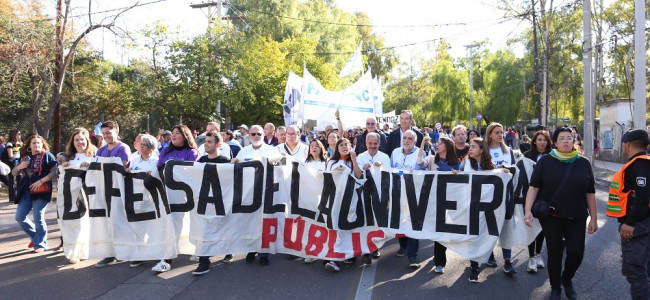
(605,170)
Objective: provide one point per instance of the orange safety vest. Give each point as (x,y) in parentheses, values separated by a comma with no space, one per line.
(617,203)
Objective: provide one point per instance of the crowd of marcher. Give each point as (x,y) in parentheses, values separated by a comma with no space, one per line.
(561,174)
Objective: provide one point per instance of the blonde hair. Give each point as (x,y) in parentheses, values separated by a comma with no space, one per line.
(488,134)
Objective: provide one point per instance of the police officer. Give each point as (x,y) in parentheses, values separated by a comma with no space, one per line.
(629,199)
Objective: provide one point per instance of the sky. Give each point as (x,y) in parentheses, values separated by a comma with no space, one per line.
(467,21)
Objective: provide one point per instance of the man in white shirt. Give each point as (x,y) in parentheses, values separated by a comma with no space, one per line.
(405,159)
(293,147)
(257,149)
(373,156)
(224,149)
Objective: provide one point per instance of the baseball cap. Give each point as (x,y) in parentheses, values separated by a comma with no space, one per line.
(243,126)
(636,134)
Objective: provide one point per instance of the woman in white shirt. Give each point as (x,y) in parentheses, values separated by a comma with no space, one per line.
(79,152)
(317,156)
(146,160)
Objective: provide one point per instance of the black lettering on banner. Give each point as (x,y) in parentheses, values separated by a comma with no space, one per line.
(346,203)
(109,192)
(158,193)
(395,199)
(418,207)
(67,196)
(295,195)
(179,186)
(91,190)
(374,206)
(522,184)
(271,187)
(510,196)
(443,204)
(258,184)
(211,182)
(130,198)
(327,199)
(476,206)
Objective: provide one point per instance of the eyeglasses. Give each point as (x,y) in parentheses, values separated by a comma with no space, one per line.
(370,123)
(565,139)
(255,134)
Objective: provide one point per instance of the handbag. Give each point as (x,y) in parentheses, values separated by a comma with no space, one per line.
(541,208)
(42,189)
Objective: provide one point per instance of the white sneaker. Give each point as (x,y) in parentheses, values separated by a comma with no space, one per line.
(161,267)
(332,267)
(540,261)
(532,265)
(309,260)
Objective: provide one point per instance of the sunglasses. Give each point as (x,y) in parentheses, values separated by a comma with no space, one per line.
(370,123)
(255,134)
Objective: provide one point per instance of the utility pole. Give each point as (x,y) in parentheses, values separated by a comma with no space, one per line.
(615,40)
(587,85)
(639,65)
(471,83)
(536,50)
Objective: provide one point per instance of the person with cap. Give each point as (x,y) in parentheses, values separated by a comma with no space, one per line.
(244,139)
(629,200)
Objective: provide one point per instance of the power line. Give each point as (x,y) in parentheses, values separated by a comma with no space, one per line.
(117,9)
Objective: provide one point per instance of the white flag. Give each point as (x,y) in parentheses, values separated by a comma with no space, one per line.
(354,64)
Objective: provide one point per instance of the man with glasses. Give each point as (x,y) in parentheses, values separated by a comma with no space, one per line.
(293,147)
(405,158)
(256,151)
(371,126)
(405,124)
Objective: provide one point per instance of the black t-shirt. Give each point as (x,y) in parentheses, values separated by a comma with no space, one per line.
(217,160)
(571,201)
(636,178)
(462,152)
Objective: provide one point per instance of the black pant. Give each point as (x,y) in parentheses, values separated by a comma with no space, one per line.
(10,185)
(536,246)
(561,234)
(636,260)
(439,254)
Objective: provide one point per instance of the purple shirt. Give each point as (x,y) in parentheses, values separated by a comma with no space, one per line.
(187,154)
(122,151)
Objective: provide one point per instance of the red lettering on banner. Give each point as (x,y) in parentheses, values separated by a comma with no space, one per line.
(288,230)
(356,244)
(330,244)
(400,235)
(374,234)
(269,232)
(316,239)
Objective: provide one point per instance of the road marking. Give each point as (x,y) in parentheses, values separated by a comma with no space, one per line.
(366,282)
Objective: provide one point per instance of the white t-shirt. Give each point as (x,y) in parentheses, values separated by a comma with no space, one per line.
(80,158)
(314,164)
(248,153)
(404,162)
(333,166)
(224,150)
(139,164)
(299,153)
(466,166)
(499,158)
(381,157)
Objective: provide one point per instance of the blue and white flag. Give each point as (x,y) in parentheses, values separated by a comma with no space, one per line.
(98,129)
(354,64)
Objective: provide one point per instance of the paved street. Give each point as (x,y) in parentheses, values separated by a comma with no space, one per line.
(25,275)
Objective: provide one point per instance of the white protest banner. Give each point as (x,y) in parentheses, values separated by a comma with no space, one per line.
(353,64)
(388,118)
(515,232)
(292,105)
(378,96)
(275,206)
(355,103)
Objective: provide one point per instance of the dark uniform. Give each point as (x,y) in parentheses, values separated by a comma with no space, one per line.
(636,250)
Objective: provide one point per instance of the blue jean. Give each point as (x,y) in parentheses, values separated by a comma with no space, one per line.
(411,245)
(36,230)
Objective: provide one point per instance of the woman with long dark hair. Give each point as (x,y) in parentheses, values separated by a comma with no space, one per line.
(182,147)
(10,155)
(37,168)
(541,145)
(317,156)
(344,159)
(564,228)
